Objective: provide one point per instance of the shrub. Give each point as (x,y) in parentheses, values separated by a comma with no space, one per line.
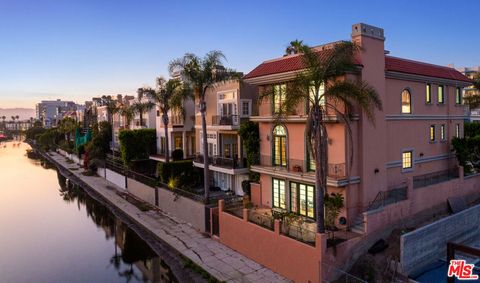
(48,140)
(137,144)
(333,204)
(186,175)
(81,149)
(246,187)
(250,135)
(177,154)
(471,129)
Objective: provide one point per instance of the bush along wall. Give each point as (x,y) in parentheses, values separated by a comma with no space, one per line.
(182,173)
(137,144)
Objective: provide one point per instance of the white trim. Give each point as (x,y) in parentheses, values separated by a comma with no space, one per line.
(398,163)
(424,79)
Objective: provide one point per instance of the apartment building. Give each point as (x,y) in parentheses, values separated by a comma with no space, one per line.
(472,73)
(180,131)
(398,169)
(228,105)
(49,112)
(422,112)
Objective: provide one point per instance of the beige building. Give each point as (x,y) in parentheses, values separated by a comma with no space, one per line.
(228,105)
(472,72)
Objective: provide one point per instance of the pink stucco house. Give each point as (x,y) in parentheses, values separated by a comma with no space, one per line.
(401,166)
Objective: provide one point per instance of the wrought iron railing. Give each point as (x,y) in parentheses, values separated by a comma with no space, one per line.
(335,170)
(177,120)
(299,232)
(230,163)
(435,178)
(225,120)
(392,195)
(262,219)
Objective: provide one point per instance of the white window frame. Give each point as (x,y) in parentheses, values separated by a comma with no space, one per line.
(242,101)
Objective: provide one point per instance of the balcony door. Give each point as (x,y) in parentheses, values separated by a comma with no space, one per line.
(279,146)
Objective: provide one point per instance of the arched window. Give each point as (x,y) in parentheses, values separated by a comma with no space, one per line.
(406,102)
(279,146)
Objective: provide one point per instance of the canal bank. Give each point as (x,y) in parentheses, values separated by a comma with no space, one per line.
(220,261)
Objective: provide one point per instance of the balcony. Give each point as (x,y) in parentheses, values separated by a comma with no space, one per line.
(336,171)
(219,161)
(296,169)
(221,120)
(177,120)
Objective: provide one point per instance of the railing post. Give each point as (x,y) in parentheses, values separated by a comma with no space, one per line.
(461,174)
(277,223)
(245,214)
(221,205)
(156,196)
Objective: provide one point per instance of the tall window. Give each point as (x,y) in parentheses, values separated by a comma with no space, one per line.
(406,102)
(432,133)
(302,199)
(441,95)
(458,96)
(442,132)
(457,130)
(407,159)
(279,146)
(278,191)
(311,92)
(428,93)
(279,93)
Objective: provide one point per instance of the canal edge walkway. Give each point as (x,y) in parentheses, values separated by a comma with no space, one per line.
(220,261)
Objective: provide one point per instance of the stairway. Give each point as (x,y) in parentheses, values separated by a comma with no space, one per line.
(357,225)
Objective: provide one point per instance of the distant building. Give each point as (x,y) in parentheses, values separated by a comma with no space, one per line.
(471,72)
(49,112)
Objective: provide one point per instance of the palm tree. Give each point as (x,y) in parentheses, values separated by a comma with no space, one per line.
(3,119)
(128,113)
(318,85)
(294,47)
(202,74)
(141,107)
(13,121)
(169,96)
(66,126)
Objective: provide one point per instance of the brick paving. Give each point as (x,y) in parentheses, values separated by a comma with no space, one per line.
(219,260)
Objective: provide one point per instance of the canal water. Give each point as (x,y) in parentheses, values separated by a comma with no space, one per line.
(52,231)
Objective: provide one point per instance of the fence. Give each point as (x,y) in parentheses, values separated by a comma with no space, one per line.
(435,178)
(390,196)
(299,232)
(234,206)
(262,219)
(230,120)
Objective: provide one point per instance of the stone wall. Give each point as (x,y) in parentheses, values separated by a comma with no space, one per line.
(425,245)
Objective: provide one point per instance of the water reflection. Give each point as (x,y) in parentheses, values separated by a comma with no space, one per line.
(52,231)
(133,258)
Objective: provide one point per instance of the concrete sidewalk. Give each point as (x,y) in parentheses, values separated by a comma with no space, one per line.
(220,261)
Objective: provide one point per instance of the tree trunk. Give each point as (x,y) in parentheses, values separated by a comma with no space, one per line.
(320,169)
(165,124)
(141,119)
(206,181)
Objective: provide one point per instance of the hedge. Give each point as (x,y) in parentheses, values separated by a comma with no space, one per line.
(186,175)
(137,144)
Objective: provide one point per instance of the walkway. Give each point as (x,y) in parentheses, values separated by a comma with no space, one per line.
(220,261)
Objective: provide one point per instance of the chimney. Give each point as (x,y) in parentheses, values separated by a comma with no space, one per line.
(362,29)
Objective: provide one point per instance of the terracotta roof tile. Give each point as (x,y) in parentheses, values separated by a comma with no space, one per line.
(294,62)
(424,69)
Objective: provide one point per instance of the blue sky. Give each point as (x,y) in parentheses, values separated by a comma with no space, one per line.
(82,48)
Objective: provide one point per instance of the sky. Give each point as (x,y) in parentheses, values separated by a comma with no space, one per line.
(78,49)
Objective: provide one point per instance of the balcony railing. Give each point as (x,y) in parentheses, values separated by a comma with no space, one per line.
(221,120)
(230,163)
(335,170)
(435,178)
(177,120)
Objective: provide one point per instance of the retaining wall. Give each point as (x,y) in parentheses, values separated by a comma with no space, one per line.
(426,245)
(115,178)
(184,208)
(142,191)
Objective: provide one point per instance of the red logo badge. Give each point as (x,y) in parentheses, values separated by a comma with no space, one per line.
(461,269)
